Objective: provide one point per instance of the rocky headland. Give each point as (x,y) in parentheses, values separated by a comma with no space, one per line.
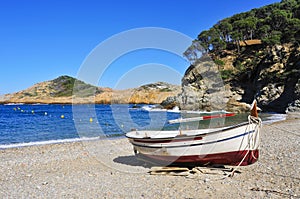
(68,90)
(230,81)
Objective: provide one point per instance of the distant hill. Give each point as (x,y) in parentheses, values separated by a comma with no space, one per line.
(67,90)
(63,86)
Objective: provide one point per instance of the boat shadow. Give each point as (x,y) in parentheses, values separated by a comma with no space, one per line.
(132,160)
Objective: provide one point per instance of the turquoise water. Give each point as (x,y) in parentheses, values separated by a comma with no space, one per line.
(22,125)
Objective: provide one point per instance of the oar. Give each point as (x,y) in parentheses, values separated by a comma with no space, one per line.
(206,117)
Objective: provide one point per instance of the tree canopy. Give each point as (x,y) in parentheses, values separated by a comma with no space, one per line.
(277,23)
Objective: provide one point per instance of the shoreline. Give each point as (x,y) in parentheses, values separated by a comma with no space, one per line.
(275,118)
(108,169)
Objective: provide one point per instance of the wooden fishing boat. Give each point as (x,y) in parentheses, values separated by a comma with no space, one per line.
(232,145)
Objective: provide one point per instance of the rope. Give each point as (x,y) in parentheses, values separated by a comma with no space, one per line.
(252,138)
(250,144)
(257,127)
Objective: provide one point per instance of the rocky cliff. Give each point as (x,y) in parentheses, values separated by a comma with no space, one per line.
(231,80)
(270,74)
(67,90)
(257,55)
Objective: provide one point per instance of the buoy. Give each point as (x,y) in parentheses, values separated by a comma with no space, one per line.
(32,111)
(15,109)
(22,111)
(62,116)
(46,113)
(91,119)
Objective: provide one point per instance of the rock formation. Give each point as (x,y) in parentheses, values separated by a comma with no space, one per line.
(67,90)
(270,75)
(203,88)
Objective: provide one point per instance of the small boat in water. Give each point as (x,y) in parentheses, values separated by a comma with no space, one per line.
(231,145)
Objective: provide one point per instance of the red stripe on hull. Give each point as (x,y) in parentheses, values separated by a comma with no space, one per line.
(207,117)
(176,139)
(229,158)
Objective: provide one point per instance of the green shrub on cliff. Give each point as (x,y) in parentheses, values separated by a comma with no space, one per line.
(226,74)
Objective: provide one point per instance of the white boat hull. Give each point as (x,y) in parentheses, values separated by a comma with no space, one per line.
(235,145)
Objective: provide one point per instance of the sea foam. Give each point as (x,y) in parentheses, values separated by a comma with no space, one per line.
(19,145)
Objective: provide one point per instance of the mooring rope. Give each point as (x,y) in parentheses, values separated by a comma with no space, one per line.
(252,140)
(250,144)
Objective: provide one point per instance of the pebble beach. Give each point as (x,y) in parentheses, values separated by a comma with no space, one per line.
(107,168)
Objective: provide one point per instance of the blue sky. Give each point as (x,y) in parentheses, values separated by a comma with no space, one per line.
(43,39)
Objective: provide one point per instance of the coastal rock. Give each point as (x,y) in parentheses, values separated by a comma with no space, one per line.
(203,88)
(68,90)
(170,102)
(270,93)
(295,106)
(270,75)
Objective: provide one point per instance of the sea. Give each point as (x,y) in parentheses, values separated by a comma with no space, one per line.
(37,124)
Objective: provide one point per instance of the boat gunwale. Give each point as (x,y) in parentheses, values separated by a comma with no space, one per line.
(192,145)
(185,136)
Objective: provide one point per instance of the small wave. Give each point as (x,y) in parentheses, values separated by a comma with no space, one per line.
(13,104)
(18,145)
(274,118)
(204,112)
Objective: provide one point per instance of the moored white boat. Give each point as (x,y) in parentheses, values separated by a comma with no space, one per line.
(232,145)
